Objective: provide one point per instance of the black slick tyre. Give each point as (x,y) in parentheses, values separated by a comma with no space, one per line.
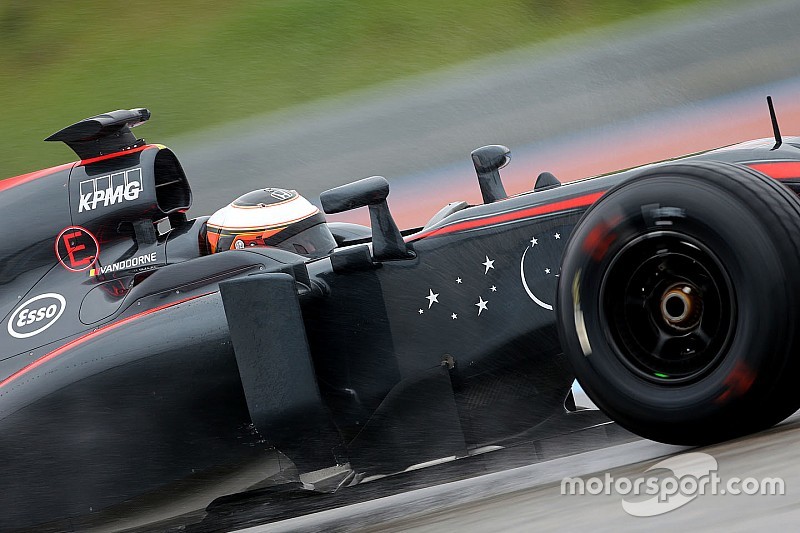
(678,302)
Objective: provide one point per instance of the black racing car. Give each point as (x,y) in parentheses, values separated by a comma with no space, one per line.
(133,360)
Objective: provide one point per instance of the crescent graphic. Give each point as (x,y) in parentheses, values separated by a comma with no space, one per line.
(525,284)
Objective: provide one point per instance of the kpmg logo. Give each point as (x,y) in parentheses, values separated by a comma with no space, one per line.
(110,190)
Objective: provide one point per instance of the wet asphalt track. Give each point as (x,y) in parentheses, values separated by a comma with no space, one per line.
(603,82)
(660,86)
(529,498)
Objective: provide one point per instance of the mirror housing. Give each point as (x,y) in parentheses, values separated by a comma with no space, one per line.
(387,242)
(488,160)
(361,193)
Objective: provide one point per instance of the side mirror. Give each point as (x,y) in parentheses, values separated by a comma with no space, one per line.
(387,242)
(488,160)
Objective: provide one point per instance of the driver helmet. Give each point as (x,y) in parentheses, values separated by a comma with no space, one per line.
(270,217)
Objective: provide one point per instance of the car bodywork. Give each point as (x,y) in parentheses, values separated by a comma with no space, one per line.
(132,359)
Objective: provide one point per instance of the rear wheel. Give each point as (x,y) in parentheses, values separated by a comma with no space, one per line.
(678,302)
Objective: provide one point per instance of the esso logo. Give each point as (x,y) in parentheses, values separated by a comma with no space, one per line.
(36,315)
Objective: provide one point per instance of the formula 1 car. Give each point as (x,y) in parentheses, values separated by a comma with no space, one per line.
(133,359)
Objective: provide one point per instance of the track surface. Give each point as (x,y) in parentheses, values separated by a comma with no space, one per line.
(530,496)
(579,92)
(772,454)
(616,97)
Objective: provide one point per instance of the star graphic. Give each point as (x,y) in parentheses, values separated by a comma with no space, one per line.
(489,263)
(557,235)
(421,311)
(454,316)
(432,298)
(481,305)
(458,280)
(493,288)
(546,270)
(534,241)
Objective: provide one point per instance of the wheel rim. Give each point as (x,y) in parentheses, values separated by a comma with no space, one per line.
(669,308)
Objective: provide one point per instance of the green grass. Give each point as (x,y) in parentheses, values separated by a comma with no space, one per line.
(203,62)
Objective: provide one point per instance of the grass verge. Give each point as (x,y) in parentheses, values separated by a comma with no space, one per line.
(202,62)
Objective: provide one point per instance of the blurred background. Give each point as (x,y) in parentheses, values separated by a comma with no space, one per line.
(311,94)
